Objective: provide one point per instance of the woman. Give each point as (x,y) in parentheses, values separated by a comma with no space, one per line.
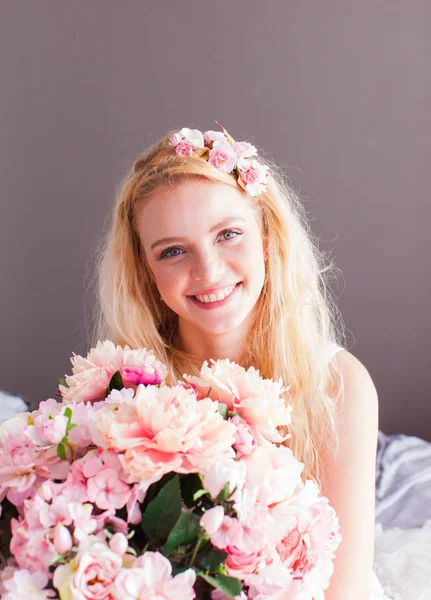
(210,256)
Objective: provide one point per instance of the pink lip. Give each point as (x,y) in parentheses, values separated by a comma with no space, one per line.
(217,303)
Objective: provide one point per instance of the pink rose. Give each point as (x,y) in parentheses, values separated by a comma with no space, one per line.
(253,172)
(175,139)
(244,149)
(223,157)
(91,574)
(215,136)
(184,148)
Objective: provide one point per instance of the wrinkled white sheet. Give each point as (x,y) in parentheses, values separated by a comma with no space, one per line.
(402,562)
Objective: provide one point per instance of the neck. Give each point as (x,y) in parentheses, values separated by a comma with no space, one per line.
(204,346)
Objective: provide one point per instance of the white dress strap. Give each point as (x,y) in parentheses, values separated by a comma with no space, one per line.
(333,349)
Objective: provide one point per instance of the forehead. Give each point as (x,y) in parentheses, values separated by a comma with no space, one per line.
(193,204)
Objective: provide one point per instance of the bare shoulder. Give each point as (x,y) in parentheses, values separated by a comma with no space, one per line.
(359,392)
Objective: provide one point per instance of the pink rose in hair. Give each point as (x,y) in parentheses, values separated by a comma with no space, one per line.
(184,148)
(252,172)
(175,139)
(244,149)
(223,157)
(215,136)
(193,136)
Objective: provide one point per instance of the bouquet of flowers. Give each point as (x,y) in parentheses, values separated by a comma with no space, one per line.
(130,489)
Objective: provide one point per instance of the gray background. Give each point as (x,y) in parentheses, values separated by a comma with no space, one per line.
(338,92)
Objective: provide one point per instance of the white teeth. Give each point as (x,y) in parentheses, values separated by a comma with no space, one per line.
(220,295)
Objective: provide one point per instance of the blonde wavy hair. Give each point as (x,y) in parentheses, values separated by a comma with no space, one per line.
(296,318)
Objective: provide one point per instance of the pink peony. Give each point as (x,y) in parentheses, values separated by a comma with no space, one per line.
(167,429)
(228,382)
(91,375)
(274,471)
(184,148)
(91,574)
(308,529)
(258,401)
(245,442)
(223,157)
(150,577)
(273,581)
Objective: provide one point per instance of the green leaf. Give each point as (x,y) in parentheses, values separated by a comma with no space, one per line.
(70,426)
(62,381)
(68,413)
(61,451)
(163,512)
(211,559)
(199,494)
(223,410)
(190,485)
(186,531)
(223,494)
(116,382)
(228,585)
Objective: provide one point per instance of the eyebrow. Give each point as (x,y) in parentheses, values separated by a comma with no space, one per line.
(170,240)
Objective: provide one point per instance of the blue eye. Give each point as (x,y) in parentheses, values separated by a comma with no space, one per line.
(170,252)
(230,234)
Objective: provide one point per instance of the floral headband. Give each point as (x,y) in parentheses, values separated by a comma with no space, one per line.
(222,152)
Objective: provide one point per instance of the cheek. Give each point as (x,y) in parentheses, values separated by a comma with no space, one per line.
(168,280)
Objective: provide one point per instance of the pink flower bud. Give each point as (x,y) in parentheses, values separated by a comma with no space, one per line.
(62,539)
(119,543)
(212,519)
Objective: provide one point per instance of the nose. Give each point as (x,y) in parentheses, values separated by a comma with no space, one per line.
(207,266)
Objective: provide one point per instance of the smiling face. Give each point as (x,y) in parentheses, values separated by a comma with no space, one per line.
(202,241)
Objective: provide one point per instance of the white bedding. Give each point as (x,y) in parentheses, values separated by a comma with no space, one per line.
(402,562)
